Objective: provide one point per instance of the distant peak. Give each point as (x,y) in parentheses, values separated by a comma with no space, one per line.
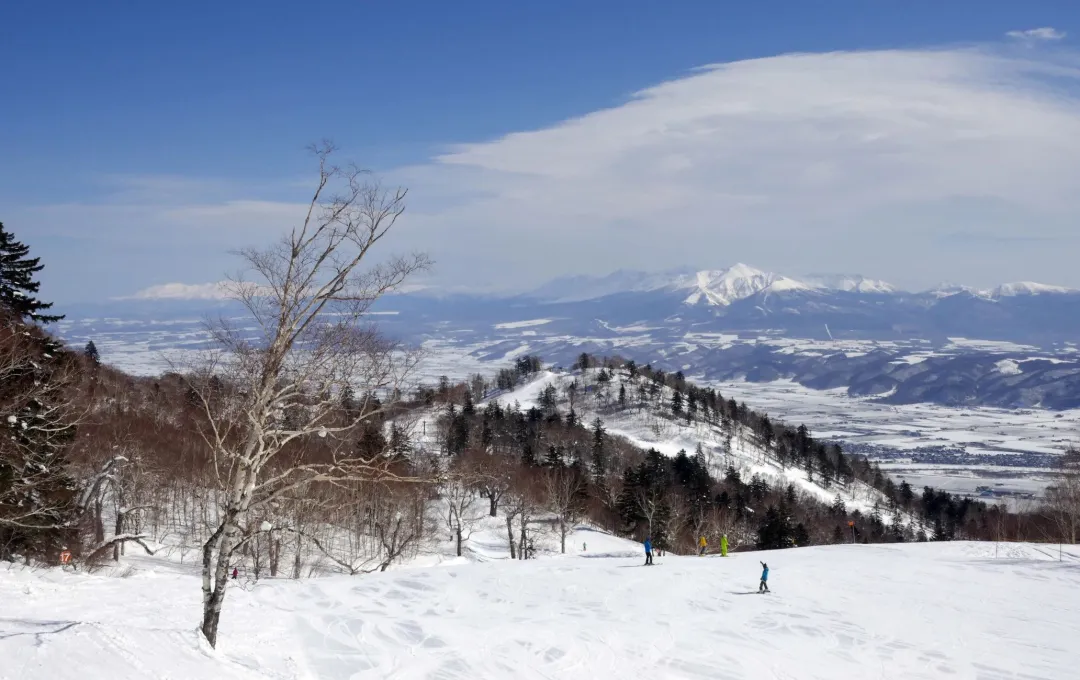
(850,283)
(722,287)
(1028,288)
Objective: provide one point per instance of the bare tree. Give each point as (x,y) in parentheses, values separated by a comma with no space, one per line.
(272,417)
(495,475)
(458,494)
(1062,505)
(563,488)
(650,503)
(679,517)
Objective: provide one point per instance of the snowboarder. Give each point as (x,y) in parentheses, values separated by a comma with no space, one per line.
(701,545)
(723,545)
(235,573)
(648,551)
(764,587)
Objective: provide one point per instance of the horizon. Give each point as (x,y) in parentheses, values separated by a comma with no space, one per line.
(913,145)
(217,291)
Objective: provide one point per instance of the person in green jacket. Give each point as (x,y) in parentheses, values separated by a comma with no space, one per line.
(723,545)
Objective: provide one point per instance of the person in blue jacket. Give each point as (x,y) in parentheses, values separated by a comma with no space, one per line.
(764,587)
(648,551)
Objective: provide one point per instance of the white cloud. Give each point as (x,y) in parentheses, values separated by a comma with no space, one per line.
(1045,33)
(840,160)
(185,291)
(868,161)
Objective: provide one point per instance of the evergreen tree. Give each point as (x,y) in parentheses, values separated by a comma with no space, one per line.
(37,491)
(837,534)
(677,403)
(838,506)
(17,284)
(907,495)
(599,459)
(622,396)
(776,530)
(91,352)
(554,457)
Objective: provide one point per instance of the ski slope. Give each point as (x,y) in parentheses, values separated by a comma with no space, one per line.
(898,611)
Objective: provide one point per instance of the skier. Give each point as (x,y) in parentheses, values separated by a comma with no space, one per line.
(723,545)
(235,573)
(764,587)
(648,551)
(701,544)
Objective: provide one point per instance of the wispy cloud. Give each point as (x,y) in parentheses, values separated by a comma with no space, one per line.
(803,161)
(184,291)
(1045,33)
(840,159)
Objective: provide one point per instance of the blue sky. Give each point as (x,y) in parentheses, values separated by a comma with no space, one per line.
(140,143)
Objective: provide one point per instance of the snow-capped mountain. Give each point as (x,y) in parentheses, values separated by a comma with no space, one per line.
(1005,290)
(710,287)
(724,286)
(1028,288)
(579,288)
(848,283)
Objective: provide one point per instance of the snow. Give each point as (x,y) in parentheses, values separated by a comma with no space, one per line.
(724,286)
(644,429)
(970,610)
(1009,367)
(1028,288)
(522,324)
(851,283)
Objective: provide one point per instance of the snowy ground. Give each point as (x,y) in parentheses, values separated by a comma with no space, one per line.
(961,610)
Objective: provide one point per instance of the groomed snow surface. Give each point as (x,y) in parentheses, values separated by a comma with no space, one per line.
(899,611)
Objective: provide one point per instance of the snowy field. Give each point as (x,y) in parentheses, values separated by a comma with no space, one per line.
(976,439)
(909,426)
(962,610)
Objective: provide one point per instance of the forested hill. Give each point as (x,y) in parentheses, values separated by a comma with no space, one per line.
(652,453)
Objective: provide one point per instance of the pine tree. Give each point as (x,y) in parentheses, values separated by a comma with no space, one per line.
(91,352)
(676,403)
(837,534)
(599,458)
(37,492)
(17,284)
(622,396)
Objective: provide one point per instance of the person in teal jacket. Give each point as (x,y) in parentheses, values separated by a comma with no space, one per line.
(764,587)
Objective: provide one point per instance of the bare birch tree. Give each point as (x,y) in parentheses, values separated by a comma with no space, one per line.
(263,394)
(563,490)
(459,498)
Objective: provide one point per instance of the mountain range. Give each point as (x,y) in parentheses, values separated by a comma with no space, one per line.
(1011,346)
(722,287)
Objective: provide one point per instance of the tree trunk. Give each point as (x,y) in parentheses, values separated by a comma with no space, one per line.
(510,534)
(521,545)
(297,562)
(217,552)
(457,534)
(275,556)
(494,505)
(119,530)
(562,534)
(99,523)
